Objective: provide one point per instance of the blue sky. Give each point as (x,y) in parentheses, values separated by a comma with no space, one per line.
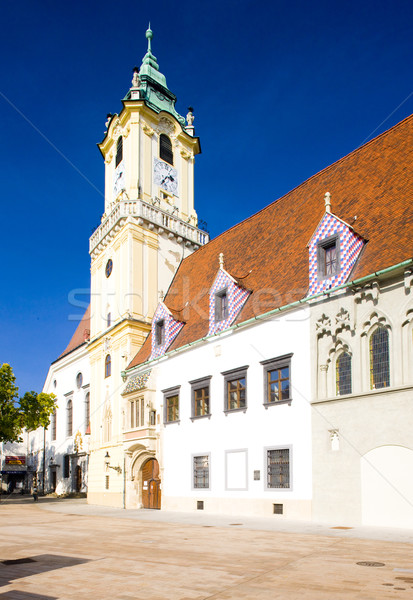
(280,89)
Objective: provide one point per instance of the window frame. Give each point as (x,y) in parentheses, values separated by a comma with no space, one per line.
(87,410)
(193,458)
(373,385)
(168,394)
(322,246)
(200,384)
(136,415)
(108,366)
(221,309)
(273,364)
(290,468)
(53,426)
(119,151)
(159,332)
(337,374)
(235,375)
(69,418)
(165,148)
(66,466)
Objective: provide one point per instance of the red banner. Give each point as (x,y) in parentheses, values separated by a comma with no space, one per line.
(15,460)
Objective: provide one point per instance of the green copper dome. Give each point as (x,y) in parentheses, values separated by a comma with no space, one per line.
(152,85)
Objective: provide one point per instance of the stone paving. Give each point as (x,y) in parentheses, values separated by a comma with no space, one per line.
(68,549)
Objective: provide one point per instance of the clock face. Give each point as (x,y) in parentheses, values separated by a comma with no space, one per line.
(118,180)
(165,176)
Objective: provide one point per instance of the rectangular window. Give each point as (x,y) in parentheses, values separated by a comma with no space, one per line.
(106,482)
(171,405)
(278,468)
(137,413)
(201,472)
(54,425)
(200,397)
(235,389)
(277,380)
(66,466)
(221,305)
(328,257)
(160,332)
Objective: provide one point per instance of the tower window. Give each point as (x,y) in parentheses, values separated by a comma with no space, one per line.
(165,149)
(108,366)
(119,151)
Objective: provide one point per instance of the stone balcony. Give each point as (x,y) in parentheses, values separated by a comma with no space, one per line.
(147,214)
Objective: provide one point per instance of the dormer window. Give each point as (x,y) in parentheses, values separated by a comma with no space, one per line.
(119,151)
(160,332)
(165,149)
(221,305)
(328,257)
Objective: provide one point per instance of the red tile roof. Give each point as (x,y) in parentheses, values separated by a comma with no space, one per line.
(80,336)
(371,189)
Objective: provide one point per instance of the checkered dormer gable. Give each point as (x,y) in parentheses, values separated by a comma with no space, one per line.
(236,297)
(350,245)
(172,328)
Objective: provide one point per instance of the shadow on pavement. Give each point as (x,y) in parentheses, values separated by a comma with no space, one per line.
(18,595)
(11,569)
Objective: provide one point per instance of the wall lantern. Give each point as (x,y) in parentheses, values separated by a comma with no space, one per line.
(109,466)
(52,464)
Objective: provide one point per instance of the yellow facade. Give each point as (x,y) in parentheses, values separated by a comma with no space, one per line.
(145,231)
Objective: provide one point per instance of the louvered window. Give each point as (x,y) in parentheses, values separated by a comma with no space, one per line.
(165,149)
(119,151)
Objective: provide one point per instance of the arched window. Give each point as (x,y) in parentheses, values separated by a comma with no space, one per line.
(119,151)
(69,418)
(108,366)
(87,410)
(343,374)
(79,380)
(165,149)
(379,359)
(53,425)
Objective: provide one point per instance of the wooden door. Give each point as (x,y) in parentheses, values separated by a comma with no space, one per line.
(78,478)
(151,484)
(53,480)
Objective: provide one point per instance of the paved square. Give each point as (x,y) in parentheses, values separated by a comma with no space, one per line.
(72,550)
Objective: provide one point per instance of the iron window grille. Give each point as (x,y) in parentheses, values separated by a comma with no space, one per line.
(379,359)
(278,468)
(235,390)
(343,374)
(201,471)
(328,257)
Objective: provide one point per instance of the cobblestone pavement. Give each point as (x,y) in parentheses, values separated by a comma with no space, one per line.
(67,549)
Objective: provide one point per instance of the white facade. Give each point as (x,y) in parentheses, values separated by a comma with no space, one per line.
(237,442)
(362,440)
(67,441)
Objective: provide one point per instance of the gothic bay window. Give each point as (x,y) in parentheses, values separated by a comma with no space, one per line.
(221,305)
(171,405)
(165,149)
(137,413)
(379,358)
(278,468)
(277,380)
(235,389)
(200,397)
(119,151)
(343,374)
(160,332)
(328,257)
(201,472)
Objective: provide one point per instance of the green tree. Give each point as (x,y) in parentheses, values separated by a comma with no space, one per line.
(30,412)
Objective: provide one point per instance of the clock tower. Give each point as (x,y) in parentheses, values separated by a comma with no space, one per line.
(148,226)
